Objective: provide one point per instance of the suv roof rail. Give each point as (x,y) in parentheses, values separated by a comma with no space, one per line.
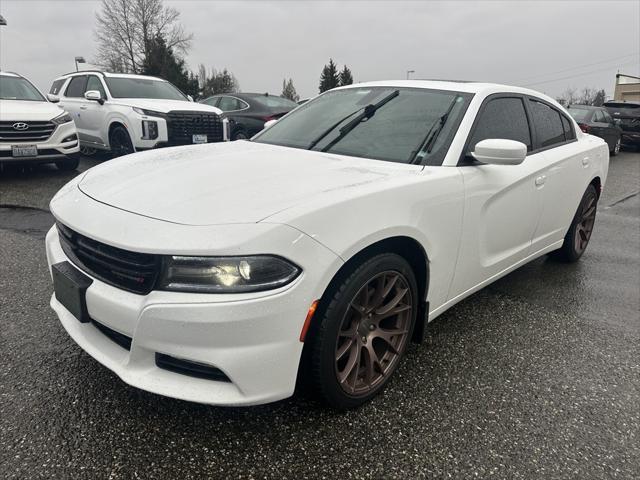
(81,71)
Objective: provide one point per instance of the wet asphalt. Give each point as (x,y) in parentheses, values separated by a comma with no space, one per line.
(536,376)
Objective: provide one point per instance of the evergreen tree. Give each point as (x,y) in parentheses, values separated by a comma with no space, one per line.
(162,62)
(329,78)
(345,76)
(289,91)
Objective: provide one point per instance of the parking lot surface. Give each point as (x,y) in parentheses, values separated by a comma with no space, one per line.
(536,376)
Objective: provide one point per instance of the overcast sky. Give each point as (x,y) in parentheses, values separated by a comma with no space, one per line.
(548,45)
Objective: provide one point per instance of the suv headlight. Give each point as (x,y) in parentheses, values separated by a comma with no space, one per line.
(62,118)
(151,113)
(226,274)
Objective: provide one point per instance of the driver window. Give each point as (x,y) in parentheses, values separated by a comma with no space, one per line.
(503,118)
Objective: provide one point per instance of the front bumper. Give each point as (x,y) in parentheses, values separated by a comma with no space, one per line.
(53,149)
(252,338)
(632,138)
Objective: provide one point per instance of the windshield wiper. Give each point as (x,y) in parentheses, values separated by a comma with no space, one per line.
(432,134)
(367,113)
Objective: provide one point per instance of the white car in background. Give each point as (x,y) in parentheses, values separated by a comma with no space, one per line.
(33,130)
(128,113)
(319,249)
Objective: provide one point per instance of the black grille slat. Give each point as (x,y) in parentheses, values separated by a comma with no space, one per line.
(36,131)
(131,271)
(119,338)
(182,125)
(192,369)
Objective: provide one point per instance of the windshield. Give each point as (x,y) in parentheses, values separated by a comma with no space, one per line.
(393,131)
(17,88)
(121,87)
(579,114)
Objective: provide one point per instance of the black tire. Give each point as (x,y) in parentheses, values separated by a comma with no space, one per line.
(577,238)
(239,135)
(322,358)
(68,164)
(616,149)
(120,142)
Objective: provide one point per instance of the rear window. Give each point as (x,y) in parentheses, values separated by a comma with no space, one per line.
(273,102)
(621,108)
(579,114)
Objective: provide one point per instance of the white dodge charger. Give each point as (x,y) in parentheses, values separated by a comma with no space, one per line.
(317,251)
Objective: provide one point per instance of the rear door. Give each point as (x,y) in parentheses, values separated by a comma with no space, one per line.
(502,205)
(564,171)
(600,127)
(72,99)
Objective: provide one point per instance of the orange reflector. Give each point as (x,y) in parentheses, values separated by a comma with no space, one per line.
(307,321)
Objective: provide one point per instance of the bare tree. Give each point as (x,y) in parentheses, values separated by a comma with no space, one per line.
(569,96)
(125,28)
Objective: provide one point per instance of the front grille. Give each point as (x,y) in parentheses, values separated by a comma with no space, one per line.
(131,271)
(35,131)
(182,125)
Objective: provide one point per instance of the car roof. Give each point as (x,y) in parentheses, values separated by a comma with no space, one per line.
(453,85)
(10,74)
(621,102)
(584,107)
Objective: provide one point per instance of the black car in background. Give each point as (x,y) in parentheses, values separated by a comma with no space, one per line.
(628,114)
(248,112)
(597,121)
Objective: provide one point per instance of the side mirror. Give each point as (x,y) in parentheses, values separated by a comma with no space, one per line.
(190,98)
(53,98)
(499,151)
(270,123)
(94,96)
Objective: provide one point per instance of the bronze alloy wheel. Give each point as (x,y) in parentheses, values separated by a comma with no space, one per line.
(584,227)
(373,333)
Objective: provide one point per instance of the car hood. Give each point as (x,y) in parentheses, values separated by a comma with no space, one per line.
(223,183)
(165,106)
(22,110)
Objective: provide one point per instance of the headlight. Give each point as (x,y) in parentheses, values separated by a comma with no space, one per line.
(151,113)
(226,274)
(149,130)
(63,118)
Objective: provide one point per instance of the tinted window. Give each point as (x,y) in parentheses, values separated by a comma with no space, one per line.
(569,134)
(395,132)
(229,103)
(580,114)
(76,86)
(607,117)
(598,116)
(56,86)
(502,118)
(94,83)
(548,124)
(274,103)
(213,101)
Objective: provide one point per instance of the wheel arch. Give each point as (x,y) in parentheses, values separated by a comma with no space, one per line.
(408,248)
(113,123)
(597,183)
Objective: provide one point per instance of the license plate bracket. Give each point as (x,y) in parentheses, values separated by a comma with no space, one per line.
(24,151)
(70,288)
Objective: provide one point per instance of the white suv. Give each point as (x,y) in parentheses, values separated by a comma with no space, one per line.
(127,113)
(33,130)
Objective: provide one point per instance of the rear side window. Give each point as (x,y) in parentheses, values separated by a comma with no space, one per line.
(503,118)
(598,116)
(228,104)
(56,86)
(548,124)
(569,134)
(76,86)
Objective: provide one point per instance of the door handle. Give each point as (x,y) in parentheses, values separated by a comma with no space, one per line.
(585,162)
(540,180)
(83,107)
